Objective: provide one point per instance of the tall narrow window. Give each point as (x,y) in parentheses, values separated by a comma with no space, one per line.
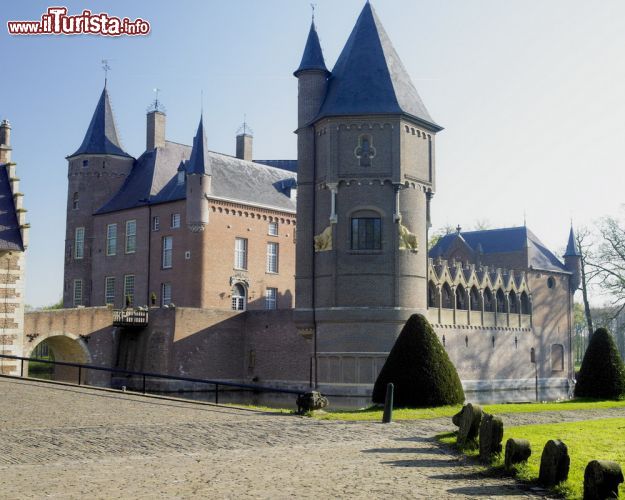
(272,229)
(271,298)
(166,294)
(109,290)
(129,290)
(75,200)
(111,239)
(272,257)
(168,245)
(366,233)
(156,223)
(238,297)
(79,243)
(175,221)
(131,236)
(240,253)
(78,293)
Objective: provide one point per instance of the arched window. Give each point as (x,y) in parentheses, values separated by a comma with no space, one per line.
(525,303)
(489,303)
(514,306)
(501,301)
(446,296)
(239,298)
(75,201)
(557,357)
(461,298)
(475,299)
(432,295)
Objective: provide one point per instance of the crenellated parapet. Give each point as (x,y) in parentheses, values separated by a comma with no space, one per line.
(468,294)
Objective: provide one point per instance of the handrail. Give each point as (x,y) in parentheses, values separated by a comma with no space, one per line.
(145,375)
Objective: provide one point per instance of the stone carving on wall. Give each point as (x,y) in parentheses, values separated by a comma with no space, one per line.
(407,240)
(323,241)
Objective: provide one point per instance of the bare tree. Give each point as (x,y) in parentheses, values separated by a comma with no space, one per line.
(481,225)
(584,243)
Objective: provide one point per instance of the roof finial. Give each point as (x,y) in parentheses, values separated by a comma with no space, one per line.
(202,102)
(156,104)
(106,68)
(458,229)
(524,218)
(312,6)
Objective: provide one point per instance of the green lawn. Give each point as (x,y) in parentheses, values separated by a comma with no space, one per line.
(375,412)
(588,440)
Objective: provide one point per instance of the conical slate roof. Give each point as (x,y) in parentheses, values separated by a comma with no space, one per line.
(572,250)
(101,136)
(199,164)
(369,77)
(312,59)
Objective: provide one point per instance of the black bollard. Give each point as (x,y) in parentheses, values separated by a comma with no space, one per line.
(387,418)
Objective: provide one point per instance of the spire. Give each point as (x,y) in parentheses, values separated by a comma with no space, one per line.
(369,77)
(572,250)
(101,136)
(198,164)
(312,60)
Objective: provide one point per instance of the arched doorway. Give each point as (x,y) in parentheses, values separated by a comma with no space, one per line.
(69,349)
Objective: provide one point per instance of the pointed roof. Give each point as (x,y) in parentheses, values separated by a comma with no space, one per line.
(101,136)
(10,234)
(572,249)
(369,77)
(198,164)
(312,59)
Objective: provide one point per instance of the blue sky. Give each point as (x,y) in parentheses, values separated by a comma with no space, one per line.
(530,94)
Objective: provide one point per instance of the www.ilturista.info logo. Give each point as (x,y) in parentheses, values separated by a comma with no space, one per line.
(56,22)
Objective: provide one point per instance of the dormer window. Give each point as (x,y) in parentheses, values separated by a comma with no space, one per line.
(180,177)
(85,163)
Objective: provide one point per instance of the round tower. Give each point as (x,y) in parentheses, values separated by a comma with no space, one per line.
(573,261)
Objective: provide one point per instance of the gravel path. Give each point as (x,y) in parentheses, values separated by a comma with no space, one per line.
(71,442)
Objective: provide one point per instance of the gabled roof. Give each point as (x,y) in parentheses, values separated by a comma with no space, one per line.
(504,240)
(572,249)
(10,234)
(312,59)
(199,164)
(101,136)
(369,77)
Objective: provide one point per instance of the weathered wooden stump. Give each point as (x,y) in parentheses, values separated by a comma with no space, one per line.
(468,420)
(310,401)
(491,434)
(554,463)
(601,480)
(517,451)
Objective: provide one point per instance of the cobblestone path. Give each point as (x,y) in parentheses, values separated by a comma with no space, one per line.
(71,442)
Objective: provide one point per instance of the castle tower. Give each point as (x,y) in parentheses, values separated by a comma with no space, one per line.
(573,261)
(245,141)
(96,171)
(365,175)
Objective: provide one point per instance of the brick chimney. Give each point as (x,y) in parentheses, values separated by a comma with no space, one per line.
(5,142)
(155,137)
(244,146)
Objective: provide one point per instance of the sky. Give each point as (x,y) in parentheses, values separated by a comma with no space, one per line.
(531,95)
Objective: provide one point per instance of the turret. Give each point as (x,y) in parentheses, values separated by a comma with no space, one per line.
(573,261)
(198,182)
(5,142)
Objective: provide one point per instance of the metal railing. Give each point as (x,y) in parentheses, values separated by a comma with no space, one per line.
(130,317)
(145,376)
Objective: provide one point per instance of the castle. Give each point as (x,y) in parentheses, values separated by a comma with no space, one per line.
(343,231)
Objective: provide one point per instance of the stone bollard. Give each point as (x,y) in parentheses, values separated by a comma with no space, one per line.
(554,463)
(601,480)
(517,451)
(468,420)
(491,434)
(310,401)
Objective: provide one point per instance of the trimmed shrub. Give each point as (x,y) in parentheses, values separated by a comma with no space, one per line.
(419,368)
(602,374)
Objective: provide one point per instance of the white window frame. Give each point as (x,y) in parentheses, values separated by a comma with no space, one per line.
(273,250)
(272,228)
(131,236)
(240,253)
(239,302)
(78,292)
(271,298)
(111,240)
(156,223)
(167,260)
(129,288)
(165,294)
(109,290)
(175,221)
(79,243)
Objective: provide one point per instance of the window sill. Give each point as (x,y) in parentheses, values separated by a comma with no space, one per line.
(365,252)
(239,269)
(272,272)
(166,268)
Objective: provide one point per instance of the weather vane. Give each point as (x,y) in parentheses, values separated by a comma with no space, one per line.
(312,6)
(106,68)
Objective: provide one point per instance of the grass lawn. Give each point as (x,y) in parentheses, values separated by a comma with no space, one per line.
(587,440)
(375,412)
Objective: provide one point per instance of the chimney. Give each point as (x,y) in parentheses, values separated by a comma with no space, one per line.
(5,142)
(155,137)
(244,146)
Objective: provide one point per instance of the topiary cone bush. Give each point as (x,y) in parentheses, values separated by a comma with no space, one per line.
(419,368)
(602,374)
